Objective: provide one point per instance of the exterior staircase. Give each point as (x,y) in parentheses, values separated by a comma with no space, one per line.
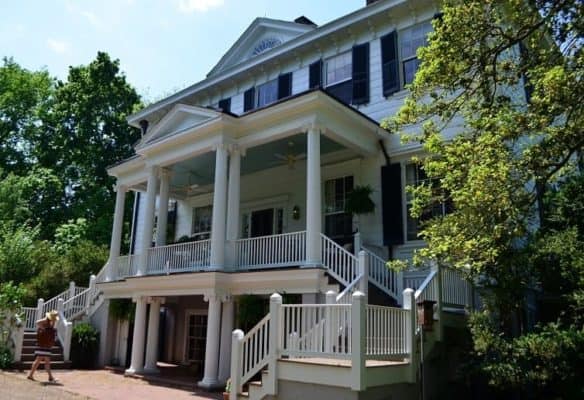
(27,357)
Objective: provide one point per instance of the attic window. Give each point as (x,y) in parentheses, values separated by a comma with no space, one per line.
(265,45)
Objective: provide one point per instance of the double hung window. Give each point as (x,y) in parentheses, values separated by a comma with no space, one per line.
(410,40)
(338,76)
(338,223)
(267,93)
(202,217)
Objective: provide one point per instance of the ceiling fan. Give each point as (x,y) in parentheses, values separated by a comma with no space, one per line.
(191,188)
(290,158)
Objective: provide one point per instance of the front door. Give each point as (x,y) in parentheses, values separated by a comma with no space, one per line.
(262,222)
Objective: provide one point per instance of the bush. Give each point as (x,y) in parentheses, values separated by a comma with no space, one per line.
(84,346)
(5,357)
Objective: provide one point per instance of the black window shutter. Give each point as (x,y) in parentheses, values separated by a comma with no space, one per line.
(389,63)
(225,104)
(248,99)
(391,204)
(284,85)
(361,74)
(315,75)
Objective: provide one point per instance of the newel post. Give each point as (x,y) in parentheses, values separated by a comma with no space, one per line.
(364,268)
(357,243)
(410,304)
(358,341)
(275,344)
(440,327)
(39,310)
(329,326)
(236,363)
(71,290)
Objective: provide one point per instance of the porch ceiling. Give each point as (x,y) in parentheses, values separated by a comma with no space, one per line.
(195,173)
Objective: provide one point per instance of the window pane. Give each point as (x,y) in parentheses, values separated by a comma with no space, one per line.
(339,68)
(267,93)
(410,69)
(202,217)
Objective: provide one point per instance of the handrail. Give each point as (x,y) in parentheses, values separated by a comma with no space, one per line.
(341,264)
(427,290)
(256,351)
(348,291)
(384,278)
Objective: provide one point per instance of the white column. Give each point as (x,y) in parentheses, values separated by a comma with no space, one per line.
(227,317)
(219,211)
(163,208)
(148,219)
(233,200)
(210,380)
(152,340)
(313,198)
(137,363)
(117,228)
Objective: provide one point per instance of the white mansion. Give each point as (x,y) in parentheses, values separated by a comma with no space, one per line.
(242,182)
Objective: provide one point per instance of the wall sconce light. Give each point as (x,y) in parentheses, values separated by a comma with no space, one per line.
(296,212)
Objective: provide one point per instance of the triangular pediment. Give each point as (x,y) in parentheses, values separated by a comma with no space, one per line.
(179,118)
(261,36)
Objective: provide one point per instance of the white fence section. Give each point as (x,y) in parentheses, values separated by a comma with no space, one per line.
(388,280)
(387,328)
(180,257)
(287,249)
(316,330)
(29,317)
(342,265)
(456,290)
(124,267)
(255,347)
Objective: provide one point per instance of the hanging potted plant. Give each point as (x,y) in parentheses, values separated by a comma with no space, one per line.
(359,202)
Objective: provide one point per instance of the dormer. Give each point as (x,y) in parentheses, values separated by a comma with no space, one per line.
(261,36)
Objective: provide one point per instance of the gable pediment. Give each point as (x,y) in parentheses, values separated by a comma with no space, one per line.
(262,35)
(179,118)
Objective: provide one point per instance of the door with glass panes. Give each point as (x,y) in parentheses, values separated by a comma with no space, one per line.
(196,331)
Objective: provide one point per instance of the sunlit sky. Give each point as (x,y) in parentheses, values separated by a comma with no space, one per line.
(163,45)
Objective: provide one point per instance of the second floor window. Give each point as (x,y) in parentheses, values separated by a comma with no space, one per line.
(338,76)
(267,93)
(410,40)
(416,176)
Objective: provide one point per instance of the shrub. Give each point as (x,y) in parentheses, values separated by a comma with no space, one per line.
(5,357)
(84,346)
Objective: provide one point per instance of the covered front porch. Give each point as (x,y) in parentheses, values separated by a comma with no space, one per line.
(257,180)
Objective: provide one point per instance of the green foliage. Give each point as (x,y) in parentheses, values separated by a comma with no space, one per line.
(84,346)
(69,234)
(250,310)
(550,361)
(359,200)
(122,309)
(17,253)
(10,306)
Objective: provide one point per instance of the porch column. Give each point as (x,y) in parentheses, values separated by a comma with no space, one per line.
(162,208)
(313,197)
(227,317)
(152,340)
(137,363)
(117,228)
(233,199)
(210,380)
(146,240)
(219,204)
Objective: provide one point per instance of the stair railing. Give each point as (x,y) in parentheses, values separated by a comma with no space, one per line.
(341,264)
(64,330)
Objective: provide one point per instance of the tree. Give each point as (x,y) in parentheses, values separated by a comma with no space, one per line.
(24,99)
(508,76)
(90,133)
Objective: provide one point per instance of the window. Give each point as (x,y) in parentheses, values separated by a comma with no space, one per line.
(338,68)
(410,40)
(338,223)
(202,217)
(416,176)
(338,76)
(267,93)
(196,337)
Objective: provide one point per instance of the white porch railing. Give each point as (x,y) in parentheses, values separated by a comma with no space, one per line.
(386,332)
(342,265)
(124,267)
(384,278)
(286,249)
(29,316)
(255,349)
(414,279)
(346,296)
(456,290)
(182,257)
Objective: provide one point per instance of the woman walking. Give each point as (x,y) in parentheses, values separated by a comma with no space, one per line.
(46,333)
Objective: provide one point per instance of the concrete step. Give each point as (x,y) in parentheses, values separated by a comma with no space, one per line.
(31,357)
(25,365)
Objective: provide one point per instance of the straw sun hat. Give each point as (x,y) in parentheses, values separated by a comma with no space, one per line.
(52,315)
